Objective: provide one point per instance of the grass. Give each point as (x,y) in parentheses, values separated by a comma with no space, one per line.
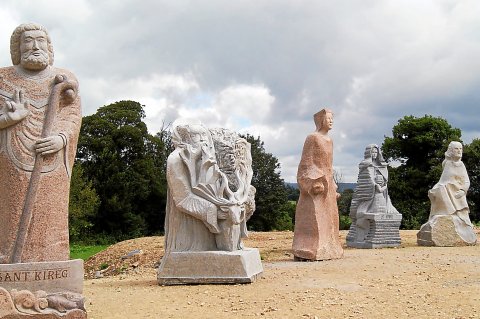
(85,251)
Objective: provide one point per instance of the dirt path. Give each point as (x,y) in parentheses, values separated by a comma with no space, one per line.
(405,282)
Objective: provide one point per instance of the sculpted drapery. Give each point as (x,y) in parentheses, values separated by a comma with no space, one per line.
(28,88)
(203,212)
(448,196)
(316,217)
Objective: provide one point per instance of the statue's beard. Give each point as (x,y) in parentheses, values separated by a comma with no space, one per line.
(35,63)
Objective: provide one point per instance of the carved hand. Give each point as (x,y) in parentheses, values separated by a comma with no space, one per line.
(318,188)
(17,108)
(49,145)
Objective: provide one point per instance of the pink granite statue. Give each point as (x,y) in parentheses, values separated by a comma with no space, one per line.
(316,218)
(40,120)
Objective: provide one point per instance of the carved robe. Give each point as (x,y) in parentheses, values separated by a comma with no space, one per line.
(442,196)
(191,222)
(47,237)
(366,198)
(316,217)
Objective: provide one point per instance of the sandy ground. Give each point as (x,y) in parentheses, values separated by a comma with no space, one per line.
(404,282)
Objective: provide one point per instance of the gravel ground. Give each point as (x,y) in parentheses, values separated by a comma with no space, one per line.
(408,281)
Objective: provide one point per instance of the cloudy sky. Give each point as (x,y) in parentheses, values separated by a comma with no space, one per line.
(266,66)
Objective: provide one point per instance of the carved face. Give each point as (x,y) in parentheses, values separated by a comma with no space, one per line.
(457,150)
(374,153)
(198,136)
(328,121)
(34,50)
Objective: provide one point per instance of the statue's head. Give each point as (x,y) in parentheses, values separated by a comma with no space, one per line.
(31,47)
(194,134)
(454,151)
(323,119)
(374,154)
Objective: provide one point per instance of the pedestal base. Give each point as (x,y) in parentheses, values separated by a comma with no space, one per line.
(446,231)
(42,290)
(383,232)
(210,267)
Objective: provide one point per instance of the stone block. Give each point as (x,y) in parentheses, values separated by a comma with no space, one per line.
(53,276)
(210,267)
(42,290)
(383,232)
(446,231)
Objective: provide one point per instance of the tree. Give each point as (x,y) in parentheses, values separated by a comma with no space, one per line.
(471,159)
(83,206)
(293,193)
(344,203)
(126,166)
(417,147)
(273,212)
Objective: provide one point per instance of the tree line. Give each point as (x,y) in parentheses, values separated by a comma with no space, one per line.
(119,187)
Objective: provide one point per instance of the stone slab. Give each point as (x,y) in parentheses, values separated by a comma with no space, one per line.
(210,267)
(54,276)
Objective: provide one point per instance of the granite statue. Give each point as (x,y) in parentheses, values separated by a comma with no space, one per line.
(316,233)
(210,199)
(449,222)
(375,221)
(40,117)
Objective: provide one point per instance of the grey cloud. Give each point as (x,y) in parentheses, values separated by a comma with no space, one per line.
(371,61)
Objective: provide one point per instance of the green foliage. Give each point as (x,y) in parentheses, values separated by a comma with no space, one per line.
(83,205)
(272,210)
(85,251)
(471,159)
(345,222)
(418,145)
(344,202)
(286,217)
(293,193)
(126,166)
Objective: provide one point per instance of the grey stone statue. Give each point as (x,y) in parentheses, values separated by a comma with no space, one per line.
(375,221)
(449,223)
(210,199)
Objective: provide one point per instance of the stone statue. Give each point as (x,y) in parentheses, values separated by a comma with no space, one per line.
(375,222)
(316,235)
(210,198)
(449,223)
(40,119)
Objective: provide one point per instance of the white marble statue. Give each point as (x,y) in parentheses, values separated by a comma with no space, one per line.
(205,211)
(449,223)
(210,198)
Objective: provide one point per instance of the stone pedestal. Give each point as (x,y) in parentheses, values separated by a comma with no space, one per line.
(42,290)
(383,231)
(210,267)
(446,231)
